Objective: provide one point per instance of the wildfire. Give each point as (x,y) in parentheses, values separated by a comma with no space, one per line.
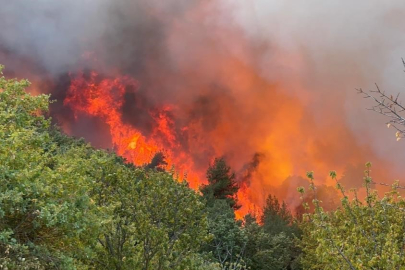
(103,98)
(197,89)
(99,97)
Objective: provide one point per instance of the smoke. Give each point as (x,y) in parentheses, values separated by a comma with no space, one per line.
(250,168)
(52,32)
(241,77)
(321,51)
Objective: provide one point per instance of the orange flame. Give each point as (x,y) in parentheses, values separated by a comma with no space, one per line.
(104,99)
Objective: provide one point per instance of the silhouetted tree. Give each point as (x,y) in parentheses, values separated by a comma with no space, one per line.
(221,184)
(157,163)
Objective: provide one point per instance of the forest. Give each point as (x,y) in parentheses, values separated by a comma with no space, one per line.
(67,205)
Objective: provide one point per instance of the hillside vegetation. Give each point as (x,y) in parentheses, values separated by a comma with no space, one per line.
(66,205)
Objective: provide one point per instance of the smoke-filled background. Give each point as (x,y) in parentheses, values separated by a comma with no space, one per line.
(268,84)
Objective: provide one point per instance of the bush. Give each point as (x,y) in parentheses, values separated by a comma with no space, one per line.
(360,234)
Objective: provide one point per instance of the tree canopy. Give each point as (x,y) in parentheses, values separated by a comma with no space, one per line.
(66,205)
(221,184)
(360,234)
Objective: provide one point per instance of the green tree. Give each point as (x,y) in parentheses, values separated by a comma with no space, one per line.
(361,234)
(221,184)
(65,205)
(47,217)
(229,238)
(157,222)
(277,218)
(272,244)
(228,243)
(150,220)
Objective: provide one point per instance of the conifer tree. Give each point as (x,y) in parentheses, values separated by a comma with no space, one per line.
(221,184)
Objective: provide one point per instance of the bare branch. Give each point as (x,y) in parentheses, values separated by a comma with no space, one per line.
(389,106)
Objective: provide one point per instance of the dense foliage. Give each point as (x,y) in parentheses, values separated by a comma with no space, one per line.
(65,205)
(47,217)
(221,184)
(248,244)
(272,243)
(361,234)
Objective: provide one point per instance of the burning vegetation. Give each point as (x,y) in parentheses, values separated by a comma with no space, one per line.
(146,77)
(235,99)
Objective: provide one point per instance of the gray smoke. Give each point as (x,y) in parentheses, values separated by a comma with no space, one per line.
(329,48)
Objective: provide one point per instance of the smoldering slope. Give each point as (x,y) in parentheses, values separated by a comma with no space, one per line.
(247,78)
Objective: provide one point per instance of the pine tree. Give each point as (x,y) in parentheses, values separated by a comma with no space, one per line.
(221,184)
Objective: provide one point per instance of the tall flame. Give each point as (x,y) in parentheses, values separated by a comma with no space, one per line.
(103,98)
